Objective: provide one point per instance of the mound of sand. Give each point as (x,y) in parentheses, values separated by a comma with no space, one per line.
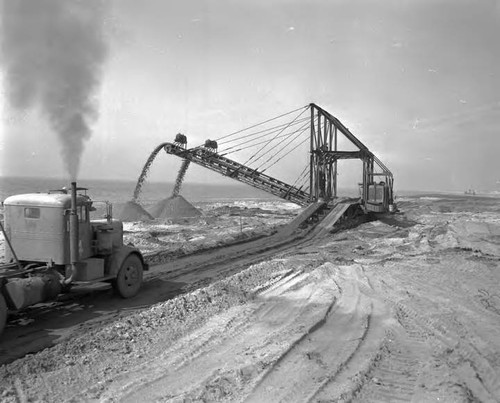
(174,207)
(132,211)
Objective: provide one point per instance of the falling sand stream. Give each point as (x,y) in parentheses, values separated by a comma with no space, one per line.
(171,207)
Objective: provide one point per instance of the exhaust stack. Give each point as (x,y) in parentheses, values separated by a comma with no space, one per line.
(73,233)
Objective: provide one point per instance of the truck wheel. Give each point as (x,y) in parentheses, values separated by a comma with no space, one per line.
(129,278)
(3,313)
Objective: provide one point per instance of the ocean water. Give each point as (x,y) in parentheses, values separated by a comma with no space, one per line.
(119,191)
(122,191)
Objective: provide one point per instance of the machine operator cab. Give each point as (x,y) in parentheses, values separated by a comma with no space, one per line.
(380,198)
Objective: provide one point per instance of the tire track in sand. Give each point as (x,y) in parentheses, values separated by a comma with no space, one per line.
(226,325)
(394,375)
(268,325)
(388,371)
(470,349)
(319,363)
(478,378)
(412,351)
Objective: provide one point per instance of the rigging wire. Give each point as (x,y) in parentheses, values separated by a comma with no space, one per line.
(304,179)
(305,187)
(303,128)
(279,159)
(227,150)
(284,147)
(300,177)
(256,138)
(267,131)
(265,145)
(288,135)
(261,123)
(270,144)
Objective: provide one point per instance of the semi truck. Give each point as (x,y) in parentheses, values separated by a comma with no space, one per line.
(52,243)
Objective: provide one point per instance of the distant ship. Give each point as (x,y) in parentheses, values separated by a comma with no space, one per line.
(470,192)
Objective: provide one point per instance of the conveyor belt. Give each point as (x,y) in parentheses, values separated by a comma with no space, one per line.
(307,213)
(333,216)
(227,167)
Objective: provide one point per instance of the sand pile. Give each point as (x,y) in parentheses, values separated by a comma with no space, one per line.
(174,207)
(131,211)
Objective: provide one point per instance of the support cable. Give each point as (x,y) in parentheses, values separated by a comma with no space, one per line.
(284,147)
(303,128)
(228,150)
(300,177)
(267,131)
(279,147)
(265,145)
(261,123)
(258,143)
(305,187)
(280,158)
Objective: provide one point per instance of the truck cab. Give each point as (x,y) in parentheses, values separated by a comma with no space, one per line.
(38,227)
(53,243)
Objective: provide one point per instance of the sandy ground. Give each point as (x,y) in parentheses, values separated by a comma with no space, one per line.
(402,309)
(221,224)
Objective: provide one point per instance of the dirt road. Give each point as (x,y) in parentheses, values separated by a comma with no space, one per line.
(86,308)
(402,310)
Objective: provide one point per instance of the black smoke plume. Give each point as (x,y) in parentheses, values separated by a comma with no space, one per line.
(53,52)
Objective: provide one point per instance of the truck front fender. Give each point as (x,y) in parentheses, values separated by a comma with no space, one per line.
(118,257)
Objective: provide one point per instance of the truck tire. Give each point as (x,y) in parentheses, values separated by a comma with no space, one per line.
(129,278)
(3,313)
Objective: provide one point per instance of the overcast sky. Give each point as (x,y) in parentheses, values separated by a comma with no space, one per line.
(418,81)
